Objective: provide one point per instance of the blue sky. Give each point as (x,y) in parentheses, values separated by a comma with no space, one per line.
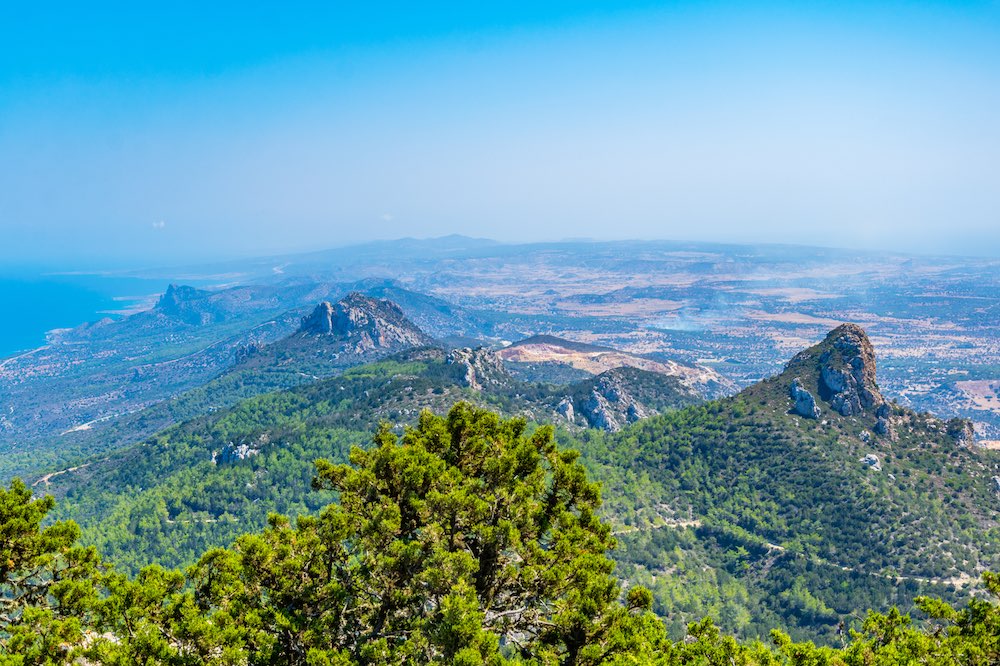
(129,135)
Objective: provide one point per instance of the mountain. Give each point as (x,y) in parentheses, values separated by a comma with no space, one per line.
(102,371)
(435,316)
(623,395)
(752,508)
(549,358)
(803,499)
(331,338)
(608,401)
(200,306)
(364,323)
(351,331)
(204,481)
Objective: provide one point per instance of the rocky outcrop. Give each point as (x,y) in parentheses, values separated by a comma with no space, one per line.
(234,452)
(883,424)
(245,352)
(872,461)
(609,405)
(565,409)
(186,304)
(483,368)
(364,323)
(840,370)
(803,402)
(599,413)
(847,372)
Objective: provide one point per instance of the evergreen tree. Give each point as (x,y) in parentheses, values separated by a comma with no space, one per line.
(467,541)
(47,583)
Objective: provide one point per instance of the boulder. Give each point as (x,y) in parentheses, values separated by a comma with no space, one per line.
(883,424)
(872,461)
(565,409)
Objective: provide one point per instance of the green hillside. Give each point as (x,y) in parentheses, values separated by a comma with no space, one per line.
(739,508)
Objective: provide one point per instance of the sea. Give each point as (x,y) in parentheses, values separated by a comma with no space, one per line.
(33,303)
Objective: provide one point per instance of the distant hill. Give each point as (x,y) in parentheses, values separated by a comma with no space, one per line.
(86,390)
(197,468)
(542,357)
(562,343)
(331,338)
(355,329)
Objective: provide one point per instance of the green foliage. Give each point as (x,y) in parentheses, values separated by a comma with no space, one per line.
(785,526)
(733,509)
(467,541)
(47,583)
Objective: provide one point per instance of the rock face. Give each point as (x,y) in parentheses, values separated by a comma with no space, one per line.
(233,452)
(840,371)
(804,404)
(565,409)
(247,351)
(883,426)
(483,368)
(609,405)
(364,323)
(847,372)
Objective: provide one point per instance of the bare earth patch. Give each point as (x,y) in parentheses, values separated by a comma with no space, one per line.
(597,361)
(983,393)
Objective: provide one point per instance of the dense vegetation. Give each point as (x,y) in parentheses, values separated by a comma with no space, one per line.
(733,509)
(468,540)
(785,524)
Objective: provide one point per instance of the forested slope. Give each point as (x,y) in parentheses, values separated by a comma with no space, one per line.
(743,508)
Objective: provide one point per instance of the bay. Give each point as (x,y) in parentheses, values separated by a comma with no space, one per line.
(31,304)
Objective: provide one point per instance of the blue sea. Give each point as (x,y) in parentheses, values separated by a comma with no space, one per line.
(33,303)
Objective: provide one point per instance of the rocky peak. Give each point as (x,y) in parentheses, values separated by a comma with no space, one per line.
(847,371)
(181,302)
(176,294)
(843,366)
(482,367)
(366,323)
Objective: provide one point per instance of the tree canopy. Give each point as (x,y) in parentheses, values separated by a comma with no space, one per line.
(467,540)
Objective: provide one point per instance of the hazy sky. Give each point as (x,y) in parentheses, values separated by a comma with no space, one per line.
(203,130)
